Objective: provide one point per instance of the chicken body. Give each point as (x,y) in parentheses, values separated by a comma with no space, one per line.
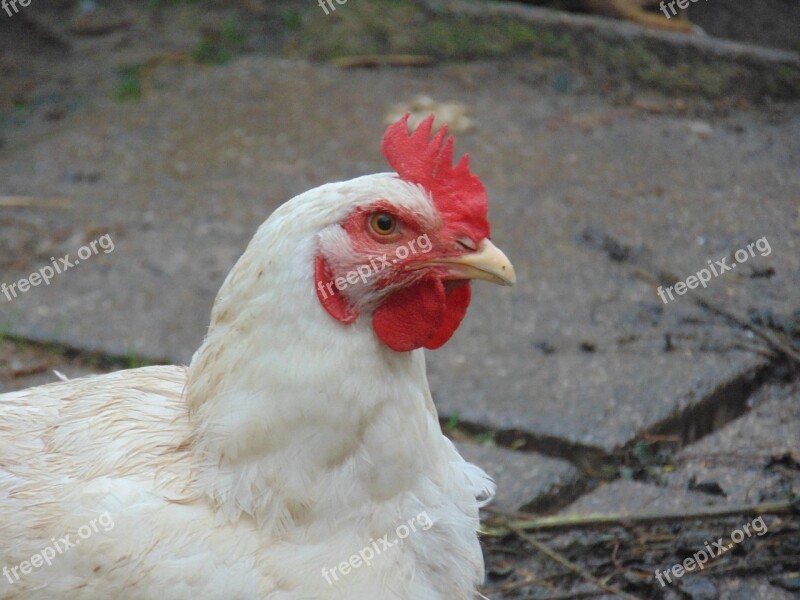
(293,442)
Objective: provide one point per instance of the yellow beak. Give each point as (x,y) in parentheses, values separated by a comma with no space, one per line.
(487,263)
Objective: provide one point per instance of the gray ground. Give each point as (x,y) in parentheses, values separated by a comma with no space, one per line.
(579,389)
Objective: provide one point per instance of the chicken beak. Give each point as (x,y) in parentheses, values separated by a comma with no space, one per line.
(487,263)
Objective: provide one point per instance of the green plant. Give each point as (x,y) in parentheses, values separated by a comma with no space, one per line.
(231,31)
(641,450)
(487,438)
(218,47)
(156,4)
(292,19)
(128,86)
(452,422)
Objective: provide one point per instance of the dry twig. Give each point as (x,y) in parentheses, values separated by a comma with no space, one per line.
(526,522)
(563,561)
(34,202)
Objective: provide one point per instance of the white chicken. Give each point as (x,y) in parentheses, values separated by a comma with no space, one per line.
(303,433)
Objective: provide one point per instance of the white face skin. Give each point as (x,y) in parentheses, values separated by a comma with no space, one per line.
(368,265)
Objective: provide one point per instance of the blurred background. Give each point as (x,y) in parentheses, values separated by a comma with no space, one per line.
(622,150)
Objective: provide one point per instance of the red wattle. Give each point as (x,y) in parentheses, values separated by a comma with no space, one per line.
(458,298)
(421,315)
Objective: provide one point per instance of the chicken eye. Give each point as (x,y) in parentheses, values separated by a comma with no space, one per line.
(383,223)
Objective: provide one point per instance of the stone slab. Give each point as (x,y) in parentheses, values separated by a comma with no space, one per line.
(638,498)
(752,460)
(596,402)
(525,481)
(580,349)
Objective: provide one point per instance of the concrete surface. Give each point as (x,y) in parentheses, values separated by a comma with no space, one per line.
(637,498)
(525,481)
(181,180)
(752,460)
(595,187)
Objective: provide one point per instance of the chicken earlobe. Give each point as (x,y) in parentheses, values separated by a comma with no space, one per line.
(330,296)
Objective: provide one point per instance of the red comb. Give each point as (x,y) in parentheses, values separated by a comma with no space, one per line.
(457,193)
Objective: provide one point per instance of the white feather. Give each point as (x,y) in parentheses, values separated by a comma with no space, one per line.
(292,443)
